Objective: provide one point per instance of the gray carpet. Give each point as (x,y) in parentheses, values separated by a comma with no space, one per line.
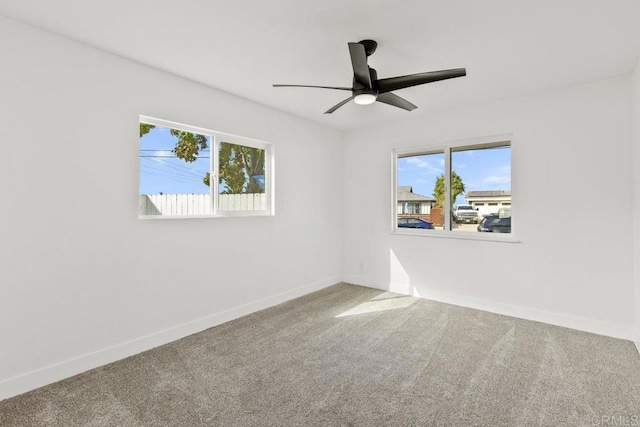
(353,356)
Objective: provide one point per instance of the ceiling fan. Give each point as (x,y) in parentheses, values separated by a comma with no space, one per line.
(367,89)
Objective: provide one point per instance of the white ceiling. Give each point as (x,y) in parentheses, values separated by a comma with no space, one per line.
(509,47)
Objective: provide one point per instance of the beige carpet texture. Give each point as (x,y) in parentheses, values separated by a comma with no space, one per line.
(353,356)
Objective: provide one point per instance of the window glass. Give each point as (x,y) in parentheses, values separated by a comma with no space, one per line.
(479,175)
(420,190)
(242,178)
(174,170)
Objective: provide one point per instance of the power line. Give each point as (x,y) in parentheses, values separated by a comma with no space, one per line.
(172,157)
(167,149)
(176,179)
(176,171)
(179,168)
(169,172)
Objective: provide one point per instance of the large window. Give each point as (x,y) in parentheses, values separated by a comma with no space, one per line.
(468,184)
(192,172)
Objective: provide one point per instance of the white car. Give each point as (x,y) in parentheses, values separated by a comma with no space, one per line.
(465,214)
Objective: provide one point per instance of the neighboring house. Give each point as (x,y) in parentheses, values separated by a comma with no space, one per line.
(487,202)
(410,203)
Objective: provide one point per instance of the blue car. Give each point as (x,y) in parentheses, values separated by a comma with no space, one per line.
(414,223)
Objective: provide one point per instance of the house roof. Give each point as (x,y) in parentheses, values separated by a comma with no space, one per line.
(406,194)
(492,193)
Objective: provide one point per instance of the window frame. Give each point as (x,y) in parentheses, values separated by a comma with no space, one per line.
(447,148)
(215,138)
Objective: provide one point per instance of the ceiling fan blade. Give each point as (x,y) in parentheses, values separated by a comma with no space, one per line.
(335,107)
(401,82)
(359,64)
(396,101)
(317,87)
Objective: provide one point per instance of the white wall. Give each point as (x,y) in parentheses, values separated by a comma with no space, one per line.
(635,159)
(569,146)
(87,279)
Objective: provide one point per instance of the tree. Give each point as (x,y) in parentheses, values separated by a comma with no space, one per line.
(189,145)
(457,188)
(239,167)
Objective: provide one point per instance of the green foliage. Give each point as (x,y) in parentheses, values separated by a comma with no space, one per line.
(457,188)
(189,145)
(238,166)
(145,129)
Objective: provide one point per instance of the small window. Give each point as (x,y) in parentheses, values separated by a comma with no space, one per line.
(193,172)
(410,208)
(454,176)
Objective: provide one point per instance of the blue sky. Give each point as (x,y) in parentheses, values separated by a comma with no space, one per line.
(160,171)
(486,169)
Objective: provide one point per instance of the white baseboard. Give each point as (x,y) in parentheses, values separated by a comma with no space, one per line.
(31,380)
(355,280)
(636,339)
(558,319)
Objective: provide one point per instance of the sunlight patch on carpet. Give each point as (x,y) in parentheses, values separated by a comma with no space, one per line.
(377,305)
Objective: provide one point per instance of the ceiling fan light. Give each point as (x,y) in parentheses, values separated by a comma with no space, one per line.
(365,98)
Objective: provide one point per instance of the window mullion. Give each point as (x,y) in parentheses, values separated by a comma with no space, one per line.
(447,189)
(214,180)
(268,185)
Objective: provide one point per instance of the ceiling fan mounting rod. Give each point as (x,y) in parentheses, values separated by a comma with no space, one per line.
(369,46)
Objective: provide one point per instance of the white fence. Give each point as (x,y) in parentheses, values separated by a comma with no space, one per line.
(198,204)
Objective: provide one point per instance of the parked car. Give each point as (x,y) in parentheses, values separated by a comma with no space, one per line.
(465,214)
(414,223)
(494,224)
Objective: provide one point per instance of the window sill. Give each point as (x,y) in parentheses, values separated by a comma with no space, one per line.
(461,235)
(230,214)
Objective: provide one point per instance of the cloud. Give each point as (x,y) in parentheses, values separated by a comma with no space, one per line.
(423,164)
(417,162)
